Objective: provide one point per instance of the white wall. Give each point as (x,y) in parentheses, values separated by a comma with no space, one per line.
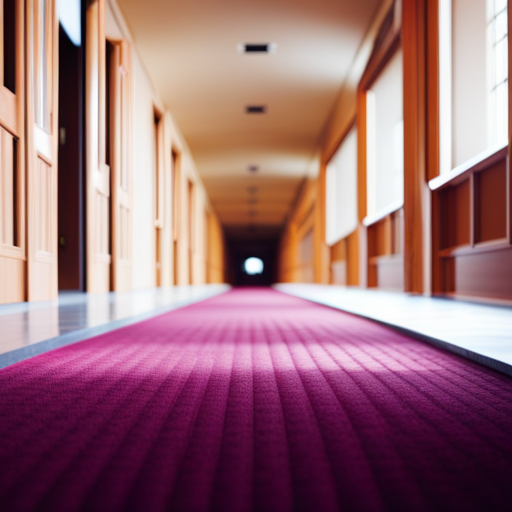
(144,165)
(143,154)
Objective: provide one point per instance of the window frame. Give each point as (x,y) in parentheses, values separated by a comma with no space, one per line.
(441,68)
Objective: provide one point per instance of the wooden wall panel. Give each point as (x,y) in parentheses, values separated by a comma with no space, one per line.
(42,150)
(120,162)
(98,258)
(416,193)
(491,203)
(301,257)
(13,269)
(216,250)
(486,275)
(455,204)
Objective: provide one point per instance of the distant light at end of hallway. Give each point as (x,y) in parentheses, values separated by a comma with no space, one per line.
(253,266)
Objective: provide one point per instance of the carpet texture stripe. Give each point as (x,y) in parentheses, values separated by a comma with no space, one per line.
(254,401)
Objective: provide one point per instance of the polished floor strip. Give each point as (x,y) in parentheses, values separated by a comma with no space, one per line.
(480,332)
(29,329)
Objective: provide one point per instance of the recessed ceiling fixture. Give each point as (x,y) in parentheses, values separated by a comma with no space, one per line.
(256,109)
(257,47)
(253,168)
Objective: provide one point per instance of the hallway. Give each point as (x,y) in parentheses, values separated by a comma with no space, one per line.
(254,400)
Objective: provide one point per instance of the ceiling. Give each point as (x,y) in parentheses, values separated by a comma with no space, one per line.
(190,50)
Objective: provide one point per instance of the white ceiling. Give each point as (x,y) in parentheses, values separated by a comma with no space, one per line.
(190,51)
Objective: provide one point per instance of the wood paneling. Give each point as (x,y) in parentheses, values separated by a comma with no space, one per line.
(298,255)
(13,273)
(176,187)
(159,178)
(344,261)
(42,150)
(385,252)
(120,163)
(455,204)
(416,193)
(471,217)
(491,203)
(97,171)
(487,275)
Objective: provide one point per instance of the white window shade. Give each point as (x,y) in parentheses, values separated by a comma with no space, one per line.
(474,69)
(341,191)
(385,141)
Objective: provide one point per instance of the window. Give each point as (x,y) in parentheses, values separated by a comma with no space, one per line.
(385,141)
(497,29)
(341,191)
(473,61)
(41,61)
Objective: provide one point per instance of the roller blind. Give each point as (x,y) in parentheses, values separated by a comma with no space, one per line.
(474,71)
(385,141)
(341,190)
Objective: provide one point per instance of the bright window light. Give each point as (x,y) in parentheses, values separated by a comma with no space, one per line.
(253,266)
(69,17)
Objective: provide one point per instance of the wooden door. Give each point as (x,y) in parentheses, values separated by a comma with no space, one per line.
(176,184)
(191,231)
(97,170)
(12,152)
(120,164)
(42,126)
(159,195)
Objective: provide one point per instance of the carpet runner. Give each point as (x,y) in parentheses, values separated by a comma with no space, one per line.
(254,400)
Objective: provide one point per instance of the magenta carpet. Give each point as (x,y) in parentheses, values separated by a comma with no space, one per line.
(254,401)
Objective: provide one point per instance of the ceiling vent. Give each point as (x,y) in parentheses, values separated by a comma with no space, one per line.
(255,109)
(257,47)
(253,168)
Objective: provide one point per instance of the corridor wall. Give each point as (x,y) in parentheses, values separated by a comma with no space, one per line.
(452,234)
(191,254)
(131,239)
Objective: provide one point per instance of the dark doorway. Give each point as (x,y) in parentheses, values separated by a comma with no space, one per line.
(71,181)
(239,251)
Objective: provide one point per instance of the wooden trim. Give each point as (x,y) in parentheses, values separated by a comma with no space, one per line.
(97,172)
(343,136)
(415,133)
(491,245)
(432,113)
(370,220)
(373,260)
(473,209)
(385,46)
(477,163)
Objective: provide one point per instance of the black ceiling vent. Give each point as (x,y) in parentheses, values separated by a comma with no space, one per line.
(256,109)
(257,47)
